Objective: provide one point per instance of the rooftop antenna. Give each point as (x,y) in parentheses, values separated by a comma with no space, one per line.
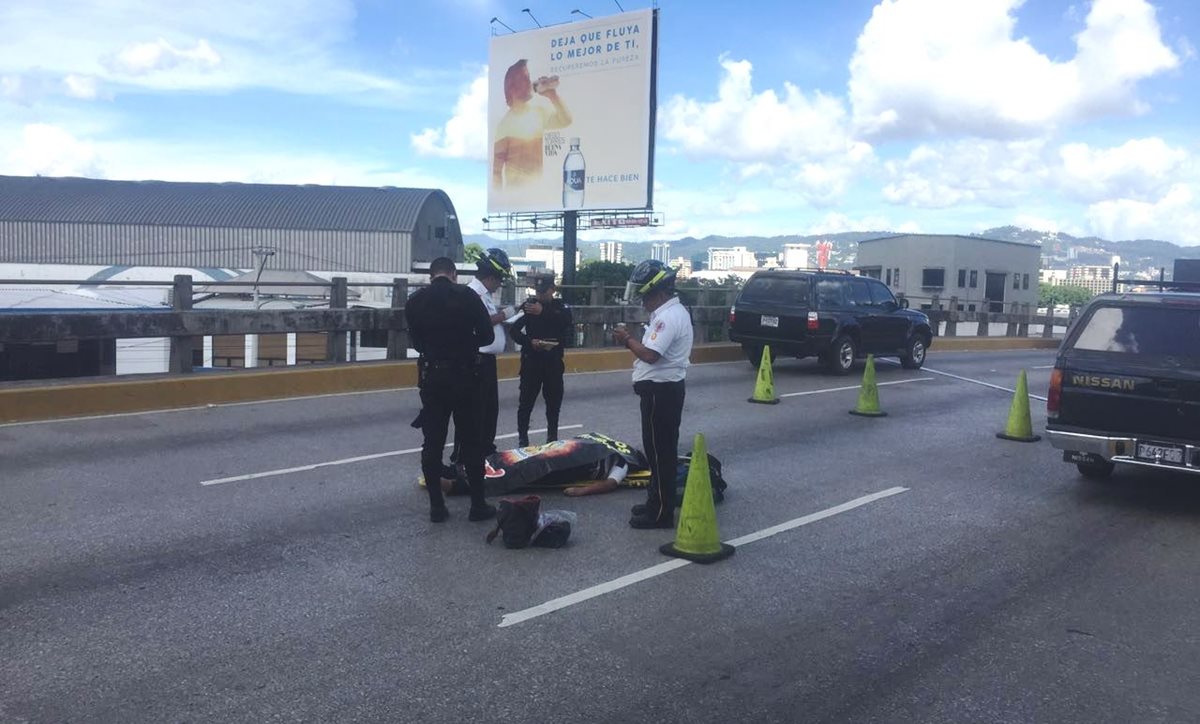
(498,20)
(527,12)
(580,12)
(619,6)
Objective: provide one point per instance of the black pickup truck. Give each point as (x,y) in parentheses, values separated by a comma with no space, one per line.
(1126,385)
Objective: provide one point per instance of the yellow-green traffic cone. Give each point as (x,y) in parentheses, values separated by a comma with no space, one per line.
(696,536)
(764,386)
(868,393)
(1019,427)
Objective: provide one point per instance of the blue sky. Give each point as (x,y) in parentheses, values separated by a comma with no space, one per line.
(942,116)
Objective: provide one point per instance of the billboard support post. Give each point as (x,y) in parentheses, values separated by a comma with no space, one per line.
(570,225)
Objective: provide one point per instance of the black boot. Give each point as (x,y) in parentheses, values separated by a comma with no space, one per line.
(480,508)
(646,521)
(438,513)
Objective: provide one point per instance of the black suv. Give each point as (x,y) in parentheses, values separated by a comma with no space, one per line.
(1126,385)
(832,315)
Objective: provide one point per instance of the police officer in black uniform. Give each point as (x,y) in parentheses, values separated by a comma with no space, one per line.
(545,329)
(447,324)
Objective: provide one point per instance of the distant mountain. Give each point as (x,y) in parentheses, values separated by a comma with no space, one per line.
(1136,255)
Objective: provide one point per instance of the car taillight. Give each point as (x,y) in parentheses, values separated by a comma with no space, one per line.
(732,315)
(1054,396)
(813,321)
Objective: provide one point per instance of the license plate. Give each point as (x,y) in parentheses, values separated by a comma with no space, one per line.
(1155,452)
(768,321)
(1075,456)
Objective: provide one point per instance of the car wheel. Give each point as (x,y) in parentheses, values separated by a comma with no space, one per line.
(1096,471)
(914,353)
(754,355)
(840,358)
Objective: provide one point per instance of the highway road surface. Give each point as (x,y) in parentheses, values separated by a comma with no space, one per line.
(274,562)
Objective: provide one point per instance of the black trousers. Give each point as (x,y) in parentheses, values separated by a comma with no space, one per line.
(489,397)
(448,393)
(662,412)
(540,373)
(485,389)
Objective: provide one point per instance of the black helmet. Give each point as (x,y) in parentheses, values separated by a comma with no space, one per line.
(648,276)
(494,262)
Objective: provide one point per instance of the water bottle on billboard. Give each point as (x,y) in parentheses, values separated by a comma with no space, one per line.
(573,174)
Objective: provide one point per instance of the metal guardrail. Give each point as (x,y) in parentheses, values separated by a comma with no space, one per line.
(185,326)
(1018,318)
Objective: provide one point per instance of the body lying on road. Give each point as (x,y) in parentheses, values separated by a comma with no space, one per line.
(587,464)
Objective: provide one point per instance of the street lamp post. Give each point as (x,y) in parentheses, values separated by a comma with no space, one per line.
(261,254)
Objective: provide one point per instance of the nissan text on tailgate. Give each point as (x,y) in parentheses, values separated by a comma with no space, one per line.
(1126,386)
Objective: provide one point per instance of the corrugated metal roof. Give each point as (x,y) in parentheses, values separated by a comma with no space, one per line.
(221,205)
(36,298)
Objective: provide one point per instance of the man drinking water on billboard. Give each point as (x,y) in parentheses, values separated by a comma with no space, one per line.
(518,153)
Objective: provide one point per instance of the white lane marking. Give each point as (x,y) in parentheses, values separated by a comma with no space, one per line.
(210,406)
(347,461)
(511,619)
(978,382)
(1042,367)
(855,387)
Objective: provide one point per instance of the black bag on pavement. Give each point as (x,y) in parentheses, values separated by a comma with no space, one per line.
(516,520)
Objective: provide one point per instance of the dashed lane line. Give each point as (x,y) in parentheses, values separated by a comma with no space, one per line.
(617,584)
(968,379)
(854,387)
(346,461)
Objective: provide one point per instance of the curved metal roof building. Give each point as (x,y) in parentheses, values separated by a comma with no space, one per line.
(318,228)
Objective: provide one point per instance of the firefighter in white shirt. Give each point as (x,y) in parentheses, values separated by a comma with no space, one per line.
(658,379)
(494,267)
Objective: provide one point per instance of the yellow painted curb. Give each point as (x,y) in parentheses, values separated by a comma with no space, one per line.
(118,395)
(990,344)
(122,394)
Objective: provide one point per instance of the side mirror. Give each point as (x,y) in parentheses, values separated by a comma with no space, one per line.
(890,306)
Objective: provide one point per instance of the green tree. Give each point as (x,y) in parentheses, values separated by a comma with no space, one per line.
(690,290)
(611,273)
(472,252)
(1051,296)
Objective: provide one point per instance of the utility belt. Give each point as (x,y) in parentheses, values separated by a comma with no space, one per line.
(446,370)
(646,387)
(455,365)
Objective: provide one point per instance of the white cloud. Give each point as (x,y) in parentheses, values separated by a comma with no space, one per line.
(1174,216)
(927,67)
(836,223)
(48,150)
(974,171)
(296,46)
(10,86)
(56,151)
(1138,169)
(80,86)
(143,58)
(465,134)
(802,140)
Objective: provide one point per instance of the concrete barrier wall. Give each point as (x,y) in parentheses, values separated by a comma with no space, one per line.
(25,402)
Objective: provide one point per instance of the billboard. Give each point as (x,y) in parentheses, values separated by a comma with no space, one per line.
(571,116)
